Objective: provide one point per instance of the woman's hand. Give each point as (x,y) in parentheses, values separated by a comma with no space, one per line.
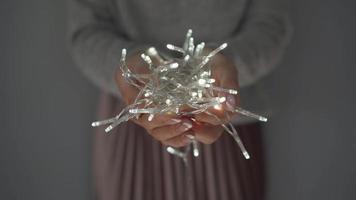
(224,72)
(172,130)
(166,128)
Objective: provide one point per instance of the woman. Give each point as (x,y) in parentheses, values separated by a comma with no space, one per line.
(132,163)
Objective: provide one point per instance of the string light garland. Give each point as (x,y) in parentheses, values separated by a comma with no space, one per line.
(174,83)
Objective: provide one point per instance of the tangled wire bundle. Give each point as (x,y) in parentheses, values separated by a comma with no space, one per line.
(173,83)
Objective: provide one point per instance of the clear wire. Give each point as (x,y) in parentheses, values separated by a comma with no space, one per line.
(175,82)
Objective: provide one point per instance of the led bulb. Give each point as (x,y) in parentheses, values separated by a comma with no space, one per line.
(201,81)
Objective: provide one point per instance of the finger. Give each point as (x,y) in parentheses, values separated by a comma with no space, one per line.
(230,82)
(216,115)
(215,118)
(180,140)
(158,120)
(220,114)
(207,134)
(167,132)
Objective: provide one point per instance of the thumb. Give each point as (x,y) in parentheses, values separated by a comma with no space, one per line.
(128,92)
(232,100)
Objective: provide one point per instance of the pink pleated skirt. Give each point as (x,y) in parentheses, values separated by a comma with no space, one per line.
(129,164)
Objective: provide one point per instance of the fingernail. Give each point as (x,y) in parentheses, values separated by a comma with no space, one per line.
(230,102)
(174,121)
(185,126)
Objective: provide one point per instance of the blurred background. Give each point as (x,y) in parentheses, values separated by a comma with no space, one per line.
(46,106)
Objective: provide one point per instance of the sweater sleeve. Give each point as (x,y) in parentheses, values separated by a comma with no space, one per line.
(261,39)
(96,41)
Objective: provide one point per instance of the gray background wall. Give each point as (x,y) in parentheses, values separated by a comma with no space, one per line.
(46,106)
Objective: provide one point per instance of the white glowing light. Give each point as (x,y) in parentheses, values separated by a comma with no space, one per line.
(123,53)
(218,107)
(201,81)
(174,65)
(168,102)
(147,94)
(211,80)
(152,51)
(231,91)
(170,150)
(150,117)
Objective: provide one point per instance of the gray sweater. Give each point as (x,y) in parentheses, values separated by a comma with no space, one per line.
(257,32)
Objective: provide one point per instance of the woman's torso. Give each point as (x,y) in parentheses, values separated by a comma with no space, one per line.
(162,21)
